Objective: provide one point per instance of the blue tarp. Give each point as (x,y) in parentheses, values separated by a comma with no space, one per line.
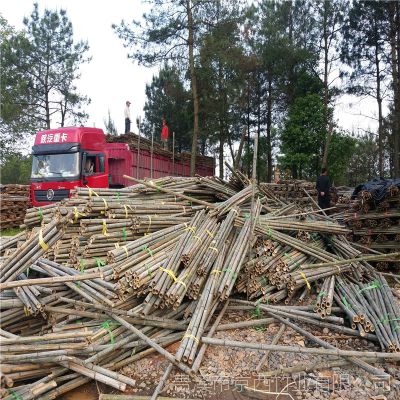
(377,187)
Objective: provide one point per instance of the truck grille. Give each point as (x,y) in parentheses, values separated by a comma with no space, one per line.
(41,195)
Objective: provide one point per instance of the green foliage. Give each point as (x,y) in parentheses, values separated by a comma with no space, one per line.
(170,32)
(10,231)
(109,125)
(220,80)
(168,98)
(15,109)
(367,52)
(256,313)
(364,48)
(342,149)
(302,136)
(15,168)
(161,35)
(46,61)
(363,165)
(271,67)
(262,162)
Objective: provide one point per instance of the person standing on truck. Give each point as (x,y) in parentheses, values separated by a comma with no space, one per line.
(164,134)
(127,117)
(323,187)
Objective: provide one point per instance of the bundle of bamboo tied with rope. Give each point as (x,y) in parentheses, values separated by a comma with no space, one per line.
(14,200)
(374,217)
(107,277)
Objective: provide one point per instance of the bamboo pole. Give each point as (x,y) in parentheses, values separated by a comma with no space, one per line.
(311,366)
(151,154)
(245,324)
(298,349)
(151,343)
(378,257)
(173,153)
(162,382)
(168,191)
(275,340)
(197,362)
(43,281)
(315,203)
(138,155)
(104,396)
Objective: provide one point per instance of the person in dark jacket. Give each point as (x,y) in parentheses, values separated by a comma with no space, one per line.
(323,187)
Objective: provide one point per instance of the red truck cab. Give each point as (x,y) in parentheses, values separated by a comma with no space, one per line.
(59,158)
(66,158)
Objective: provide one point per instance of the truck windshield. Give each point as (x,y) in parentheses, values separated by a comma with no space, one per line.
(55,165)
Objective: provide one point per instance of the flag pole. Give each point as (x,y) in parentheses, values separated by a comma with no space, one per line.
(151,153)
(173,153)
(138,154)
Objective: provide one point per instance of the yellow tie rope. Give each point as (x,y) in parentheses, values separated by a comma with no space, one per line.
(77,214)
(104,230)
(43,245)
(190,336)
(303,275)
(91,191)
(170,273)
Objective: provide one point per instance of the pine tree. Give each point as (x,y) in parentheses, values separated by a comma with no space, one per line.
(221,76)
(329,22)
(393,9)
(109,125)
(48,61)
(167,98)
(170,31)
(16,112)
(364,49)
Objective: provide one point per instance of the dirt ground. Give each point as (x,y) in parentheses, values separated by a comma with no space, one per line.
(228,373)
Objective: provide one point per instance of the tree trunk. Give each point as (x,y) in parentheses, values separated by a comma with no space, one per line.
(269,125)
(394,10)
(47,105)
(231,148)
(326,89)
(248,129)
(63,111)
(291,71)
(223,134)
(294,171)
(240,150)
(194,89)
(380,117)
(221,151)
(397,104)
(258,131)
(46,85)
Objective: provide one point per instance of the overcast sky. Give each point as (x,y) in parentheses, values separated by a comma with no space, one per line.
(110,78)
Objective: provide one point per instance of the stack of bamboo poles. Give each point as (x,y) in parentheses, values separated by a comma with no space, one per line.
(107,277)
(376,224)
(146,144)
(371,307)
(238,179)
(15,190)
(291,191)
(14,200)
(10,242)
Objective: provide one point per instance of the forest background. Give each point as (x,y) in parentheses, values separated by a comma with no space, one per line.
(226,72)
